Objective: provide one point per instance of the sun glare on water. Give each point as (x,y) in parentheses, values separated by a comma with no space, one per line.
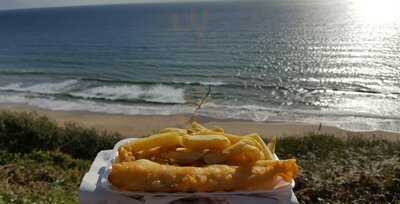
(377,11)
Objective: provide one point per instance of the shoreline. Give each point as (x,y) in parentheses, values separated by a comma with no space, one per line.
(142,125)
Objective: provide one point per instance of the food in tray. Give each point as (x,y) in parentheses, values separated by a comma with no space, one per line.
(199,160)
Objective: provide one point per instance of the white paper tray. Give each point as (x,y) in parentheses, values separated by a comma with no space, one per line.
(282,187)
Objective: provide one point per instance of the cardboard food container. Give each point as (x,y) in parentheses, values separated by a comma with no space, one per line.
(282,188)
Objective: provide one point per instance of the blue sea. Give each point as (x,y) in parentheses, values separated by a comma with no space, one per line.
(314,61)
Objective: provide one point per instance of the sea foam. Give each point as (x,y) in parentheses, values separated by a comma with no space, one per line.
(43,88)
(93,106)
(344,120)
(156,93)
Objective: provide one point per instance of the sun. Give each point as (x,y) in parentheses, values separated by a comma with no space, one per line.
(377,11)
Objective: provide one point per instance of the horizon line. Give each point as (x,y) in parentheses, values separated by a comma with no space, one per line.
(116,4)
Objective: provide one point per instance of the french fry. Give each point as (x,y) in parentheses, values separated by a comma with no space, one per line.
(233,138)
(272,144)
(249,155)
(183,131)
(201,130)
(208,132)
(184,156)
(148,153)
(268,154)
(166,140)
(199,142)
(219,130)
(196,127)
(242,152)
(259,142)
(245,150)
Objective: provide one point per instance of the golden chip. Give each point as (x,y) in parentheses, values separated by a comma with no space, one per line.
(165,140)
(197,142)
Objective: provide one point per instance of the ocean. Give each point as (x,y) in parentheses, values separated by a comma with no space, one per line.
(314,61)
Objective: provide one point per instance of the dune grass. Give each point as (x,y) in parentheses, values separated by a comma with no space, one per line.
(41,162)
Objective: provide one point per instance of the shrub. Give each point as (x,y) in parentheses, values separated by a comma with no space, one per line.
(27,131)
(86,143)
(23,132)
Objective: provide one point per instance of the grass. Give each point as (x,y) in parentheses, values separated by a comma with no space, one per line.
(344,171)
(40,177)
(41,162)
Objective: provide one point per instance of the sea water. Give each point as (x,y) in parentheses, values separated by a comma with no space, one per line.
(330,62)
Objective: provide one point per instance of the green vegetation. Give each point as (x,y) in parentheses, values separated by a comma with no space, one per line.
(41,177)
(352,171)
(43,163)
(24,132)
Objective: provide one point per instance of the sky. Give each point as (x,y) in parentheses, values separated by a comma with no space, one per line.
(18,4)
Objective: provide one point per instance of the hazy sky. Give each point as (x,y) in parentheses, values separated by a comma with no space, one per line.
(15,4)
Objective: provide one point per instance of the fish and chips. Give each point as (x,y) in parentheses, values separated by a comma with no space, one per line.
(199,160)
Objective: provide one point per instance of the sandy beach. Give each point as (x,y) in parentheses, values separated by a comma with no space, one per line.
(138,126)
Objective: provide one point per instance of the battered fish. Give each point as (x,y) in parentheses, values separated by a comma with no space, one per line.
(145,175)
